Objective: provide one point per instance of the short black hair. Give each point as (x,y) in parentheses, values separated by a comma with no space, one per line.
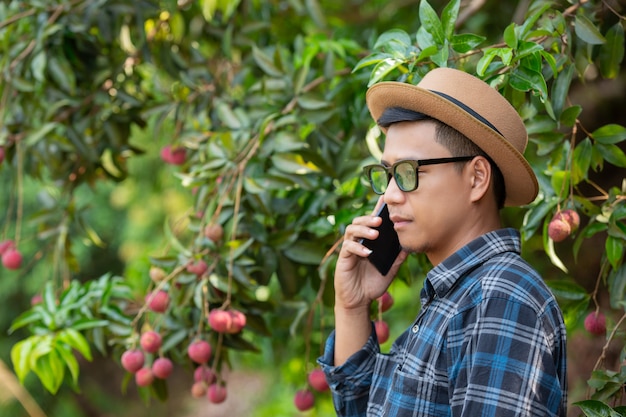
(457,143)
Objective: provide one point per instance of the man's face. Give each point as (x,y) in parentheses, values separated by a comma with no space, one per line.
(429,219)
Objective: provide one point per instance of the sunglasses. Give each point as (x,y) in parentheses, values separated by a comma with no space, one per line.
(404,172)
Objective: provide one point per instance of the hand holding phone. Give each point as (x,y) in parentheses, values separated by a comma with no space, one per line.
(386,247)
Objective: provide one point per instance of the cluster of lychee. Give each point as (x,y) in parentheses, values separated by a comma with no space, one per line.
(11,256)
(304,399)
(563,224)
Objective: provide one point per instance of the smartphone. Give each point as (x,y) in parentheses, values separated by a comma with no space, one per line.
(386,247)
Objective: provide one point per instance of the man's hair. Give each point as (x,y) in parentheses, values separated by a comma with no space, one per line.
(453,140)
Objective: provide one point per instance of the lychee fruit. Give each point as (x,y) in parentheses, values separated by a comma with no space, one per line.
(150,341)
(595,323)
(197,268)
(198,389)
(6,245)
(12,259)
(572,218)
(1,154)
(216,393)
(385,301)
(220,320)
(317,380)
(382,331)
(304,400)
(133,360)
(158,301)
(199,351)
(157,274)
(204,374)
(162,368)
(214,232)
(144,377)
(559,229)
(174,156)
(238,321)
(36,299)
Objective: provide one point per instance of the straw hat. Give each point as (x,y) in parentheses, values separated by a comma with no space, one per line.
(475,109)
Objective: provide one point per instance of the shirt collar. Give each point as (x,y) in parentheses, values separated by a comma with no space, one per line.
(442,278)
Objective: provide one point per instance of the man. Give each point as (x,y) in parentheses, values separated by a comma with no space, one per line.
(489,339)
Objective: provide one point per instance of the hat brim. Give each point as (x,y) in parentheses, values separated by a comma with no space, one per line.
(519,179)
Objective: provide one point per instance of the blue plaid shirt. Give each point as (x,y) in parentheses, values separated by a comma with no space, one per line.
(489,341)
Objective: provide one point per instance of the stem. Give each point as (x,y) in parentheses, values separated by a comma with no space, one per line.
(608,341)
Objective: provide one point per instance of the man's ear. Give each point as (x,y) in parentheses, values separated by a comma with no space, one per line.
(480,177)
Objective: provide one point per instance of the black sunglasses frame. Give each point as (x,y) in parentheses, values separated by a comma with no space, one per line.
(415,163)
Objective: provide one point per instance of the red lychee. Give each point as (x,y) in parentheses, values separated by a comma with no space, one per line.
(238,321)
(36,299)
(304,399)
(197,268)
(144,377)
(174,156)
(382,331)
(6,245)
(596,323)
(572,218)
(214,232)
(199,351)
(216,393)
(558,229)
(198,389)
(385,301)
(162,368)
(150,341)
(317,380)
(133,360)
(220,320)
(12,259)
(158,301)
(204,374)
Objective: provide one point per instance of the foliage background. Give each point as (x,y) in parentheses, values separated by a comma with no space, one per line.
(92,91)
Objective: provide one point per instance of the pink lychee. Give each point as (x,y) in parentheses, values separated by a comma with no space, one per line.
(199,351)
(304,400)
(133,360)
(216,393)
(144,377)
(158,301)
(12,259)
(558,229)
(382,331)
(596,323)
(317,380)
(162,368)
(150,341)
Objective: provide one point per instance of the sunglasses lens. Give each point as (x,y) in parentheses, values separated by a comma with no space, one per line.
(378,179)
(406,176)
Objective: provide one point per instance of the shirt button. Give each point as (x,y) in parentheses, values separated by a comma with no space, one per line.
(415,328)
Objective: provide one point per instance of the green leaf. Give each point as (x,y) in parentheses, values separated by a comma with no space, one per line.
(485,61)
(581,161)
(593,408)
(311,101)
(609,134)
(173,339)
(75,340)
(51,370)
(570,115)
(560,88)
(304,252)
(614,248)
(265,62)
(612,52)
(66,355)
(84,324)
(24,319)
(393,36)
(20,356)
(465,42)
(510,37)
(612,154)
(430,21)
(567,290)
(39,134)
(383,68)
(587,31)
(525,79)
(617,286)
(449,16)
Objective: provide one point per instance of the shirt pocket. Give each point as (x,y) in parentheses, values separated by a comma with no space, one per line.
(397,393)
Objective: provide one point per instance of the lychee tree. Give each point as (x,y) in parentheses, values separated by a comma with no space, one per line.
(265,103)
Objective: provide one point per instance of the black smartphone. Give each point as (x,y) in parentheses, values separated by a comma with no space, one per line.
(386,247)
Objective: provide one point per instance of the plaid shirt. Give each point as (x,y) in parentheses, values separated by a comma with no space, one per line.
(489,341)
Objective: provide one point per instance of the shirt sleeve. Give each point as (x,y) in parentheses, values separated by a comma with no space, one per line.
(350,382)
(503,363)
